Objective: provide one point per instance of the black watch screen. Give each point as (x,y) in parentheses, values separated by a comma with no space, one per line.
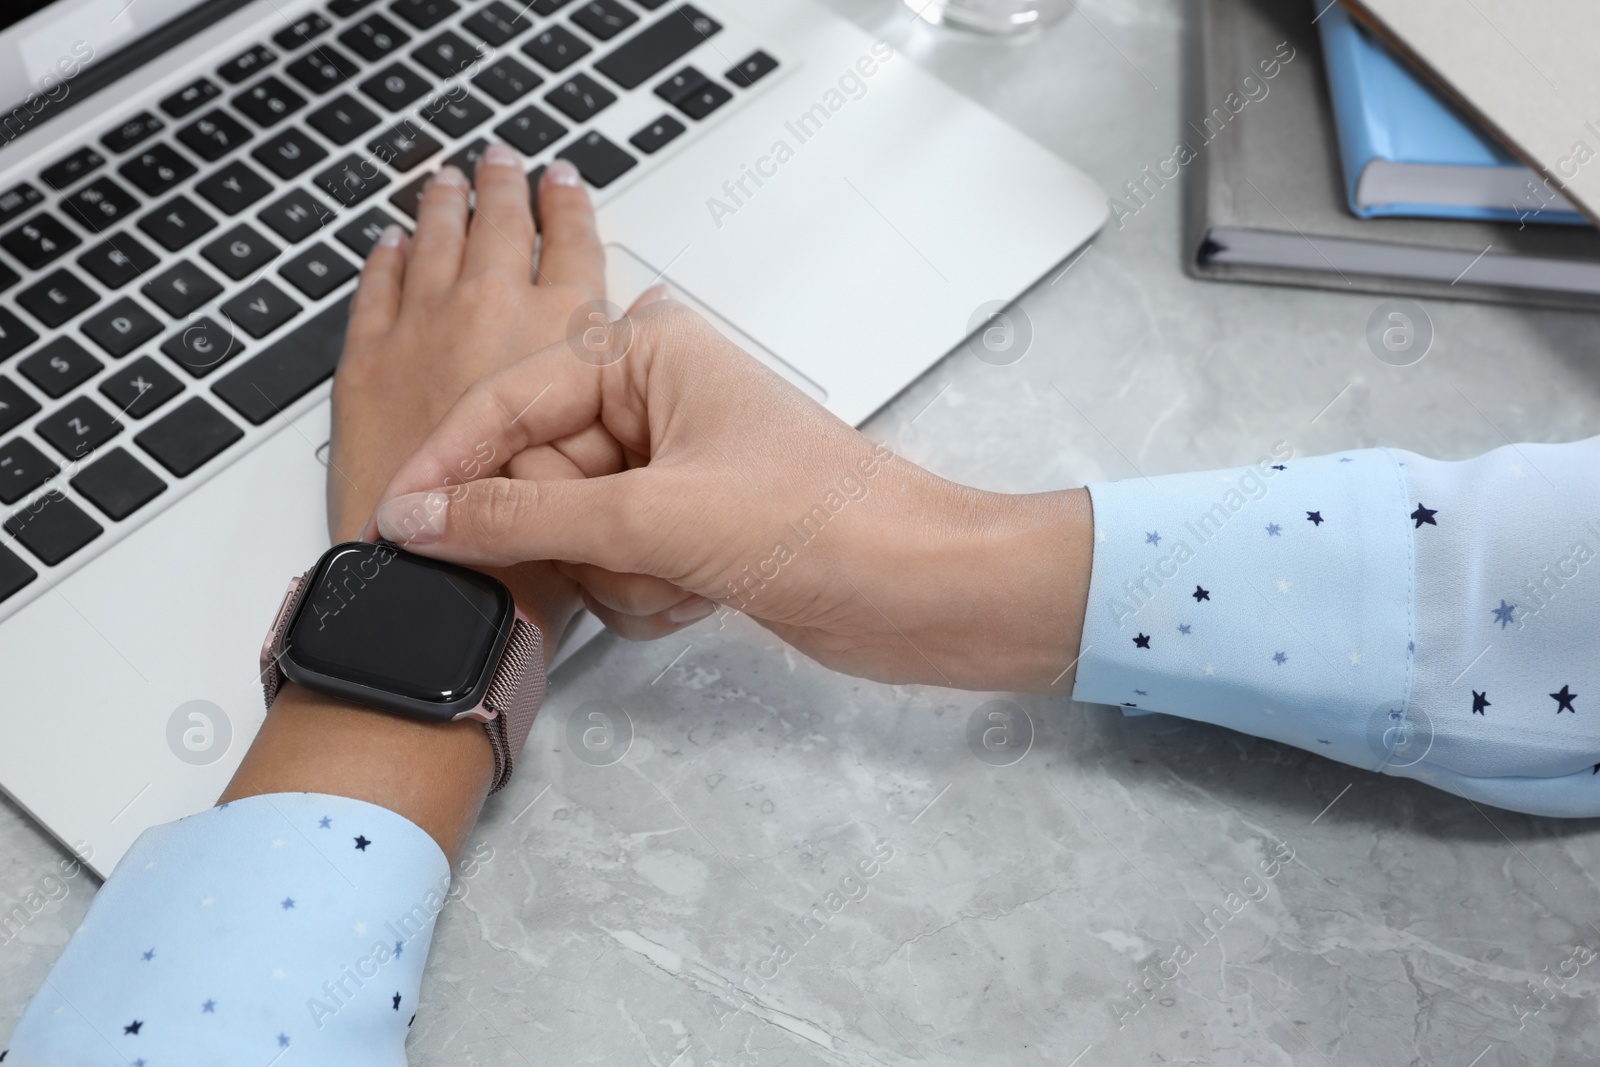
(398,631)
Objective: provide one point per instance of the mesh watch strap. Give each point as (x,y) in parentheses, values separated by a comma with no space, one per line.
(514,696)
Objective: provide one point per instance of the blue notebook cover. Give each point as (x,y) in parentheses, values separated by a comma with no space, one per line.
(1384,111)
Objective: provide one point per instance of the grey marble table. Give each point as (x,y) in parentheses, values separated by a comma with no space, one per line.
(614,909)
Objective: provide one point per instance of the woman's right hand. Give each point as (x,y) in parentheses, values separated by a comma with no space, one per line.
(711,479)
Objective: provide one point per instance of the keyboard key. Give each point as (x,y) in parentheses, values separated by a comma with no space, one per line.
(261,308)
(8,277)
(17,199)
(118,484)
(345,8)
(78,428)
(604,18)
(424,14)
(302,30)
(118,260)
(181,288)
(156,169)
(23,468)
(58,297)
(233,188)
(268,102)
(318,271)
(240,252)
(352,180)
(556,49)
(189,98)
(681,85)
(53,527)
(657,135)
(395,86)
(99,204)
(447,54)
(60,367)
(497,22)
(342,119)
(751,69)
(322,69)
(548,7)
(14,574)
(373,38)
(39,242)
(202,346)
(289,153)
(122,327)
(466,159)
(409,198)
(296,216)
(705,99)
(245,64)
(15,405)
(15,335)
(359,236)
(64,172)
(507,80)
(403,147)
(140,387)
(177,222)
(187,436)
(650,51)
(287,370)
(581,98)
(133,131)
(457,116)
(597,159)
(530,131)
(214,135)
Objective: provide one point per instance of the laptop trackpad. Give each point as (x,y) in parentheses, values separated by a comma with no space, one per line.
(627,276)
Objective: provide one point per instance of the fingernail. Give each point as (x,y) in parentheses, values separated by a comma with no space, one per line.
(391,237)
(562,172)
(452,175)
(651,295)
(413,519)
(691,610)
(500,155)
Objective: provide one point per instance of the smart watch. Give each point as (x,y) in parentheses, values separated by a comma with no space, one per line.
(412,636)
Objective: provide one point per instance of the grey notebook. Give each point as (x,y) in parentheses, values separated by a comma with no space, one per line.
(1265,198)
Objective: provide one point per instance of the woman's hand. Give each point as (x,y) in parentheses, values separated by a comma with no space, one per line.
(711,479)
(463,297)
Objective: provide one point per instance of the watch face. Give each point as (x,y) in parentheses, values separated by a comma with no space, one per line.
(400,624)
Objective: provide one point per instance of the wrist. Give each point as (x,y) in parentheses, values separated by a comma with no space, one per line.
(1013,603)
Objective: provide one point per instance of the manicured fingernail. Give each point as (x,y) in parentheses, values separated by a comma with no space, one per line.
(562,172)
(413,519)
(499,155)
(391,237)
(451,175)
(691,610)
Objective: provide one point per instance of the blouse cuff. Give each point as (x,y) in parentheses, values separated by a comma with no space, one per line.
(291,921)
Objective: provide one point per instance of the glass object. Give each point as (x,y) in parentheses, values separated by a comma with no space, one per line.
(1000,17)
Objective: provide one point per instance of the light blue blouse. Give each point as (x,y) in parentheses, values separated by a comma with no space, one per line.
(1426,619)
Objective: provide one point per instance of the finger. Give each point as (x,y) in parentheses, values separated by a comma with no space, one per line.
(637,594)
(500,237)
(636,628)
(648,297)
(571,253)
(498,522)
(435,260)
(377,299)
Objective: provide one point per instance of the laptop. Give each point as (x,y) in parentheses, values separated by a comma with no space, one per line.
(187,190)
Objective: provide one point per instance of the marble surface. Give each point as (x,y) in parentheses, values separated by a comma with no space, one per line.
(1031,913)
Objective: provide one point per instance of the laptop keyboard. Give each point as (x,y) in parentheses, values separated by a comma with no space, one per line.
(187,277)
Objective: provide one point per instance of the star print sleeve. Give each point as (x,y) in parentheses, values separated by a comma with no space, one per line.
(1405,615)
(289,922)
